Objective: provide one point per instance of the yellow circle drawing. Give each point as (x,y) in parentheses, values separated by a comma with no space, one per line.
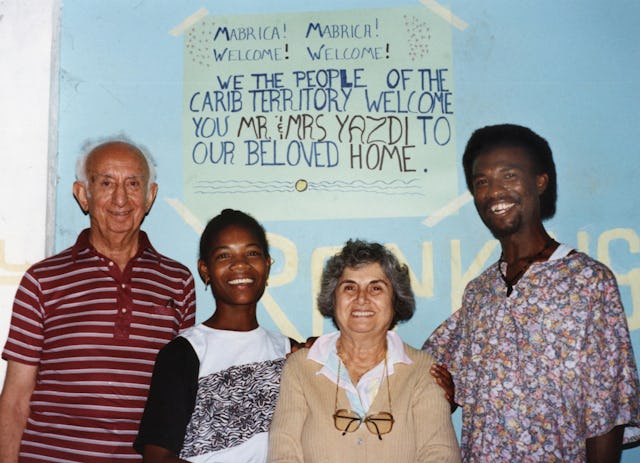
(301,185)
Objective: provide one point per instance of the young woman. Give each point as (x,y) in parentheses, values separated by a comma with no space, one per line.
(214,387)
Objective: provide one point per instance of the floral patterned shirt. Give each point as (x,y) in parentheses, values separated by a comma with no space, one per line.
(540,371)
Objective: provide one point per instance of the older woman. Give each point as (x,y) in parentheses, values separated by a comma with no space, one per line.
(360,394)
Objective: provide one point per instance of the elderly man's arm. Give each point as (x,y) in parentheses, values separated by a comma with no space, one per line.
(19,382)
(606,448)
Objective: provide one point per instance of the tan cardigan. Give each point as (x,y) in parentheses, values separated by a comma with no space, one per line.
(302,428)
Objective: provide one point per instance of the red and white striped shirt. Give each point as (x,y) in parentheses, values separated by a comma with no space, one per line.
(94,332)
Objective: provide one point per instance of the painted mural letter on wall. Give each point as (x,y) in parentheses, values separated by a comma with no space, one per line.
(343,114)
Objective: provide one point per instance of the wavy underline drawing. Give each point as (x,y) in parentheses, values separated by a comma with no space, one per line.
(411,187)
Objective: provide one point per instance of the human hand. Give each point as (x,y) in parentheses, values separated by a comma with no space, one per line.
(444,379)
(299,345)
(309,342)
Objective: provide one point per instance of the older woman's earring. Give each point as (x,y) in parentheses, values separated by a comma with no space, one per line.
(206,284)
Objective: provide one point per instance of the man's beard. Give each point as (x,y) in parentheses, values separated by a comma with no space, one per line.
(504,231)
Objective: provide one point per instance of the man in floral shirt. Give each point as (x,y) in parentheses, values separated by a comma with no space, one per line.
(539,351)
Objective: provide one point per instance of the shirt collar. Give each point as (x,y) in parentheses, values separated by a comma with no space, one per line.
(324,352)
(82,244)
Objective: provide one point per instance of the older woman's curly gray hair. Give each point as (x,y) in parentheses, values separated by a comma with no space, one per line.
(354,254)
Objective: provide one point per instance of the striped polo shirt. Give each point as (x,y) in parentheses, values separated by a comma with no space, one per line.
(94,332)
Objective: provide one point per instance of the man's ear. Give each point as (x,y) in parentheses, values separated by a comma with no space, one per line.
(151,196)
(542,181)
(81,195)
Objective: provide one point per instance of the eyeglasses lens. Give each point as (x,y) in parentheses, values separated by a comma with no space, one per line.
(349,421)
(380,423)
(346,420)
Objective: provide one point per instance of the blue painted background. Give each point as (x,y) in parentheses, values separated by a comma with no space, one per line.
(569,70)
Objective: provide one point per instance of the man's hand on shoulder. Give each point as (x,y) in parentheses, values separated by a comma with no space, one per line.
(445,381)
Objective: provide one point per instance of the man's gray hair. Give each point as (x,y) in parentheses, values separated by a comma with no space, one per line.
(90,145)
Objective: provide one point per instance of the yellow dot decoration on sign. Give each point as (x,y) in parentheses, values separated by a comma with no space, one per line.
(301,185)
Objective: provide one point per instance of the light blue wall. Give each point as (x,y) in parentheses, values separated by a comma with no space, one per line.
(569,70)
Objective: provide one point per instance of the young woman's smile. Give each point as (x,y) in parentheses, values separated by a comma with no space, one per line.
(237,268)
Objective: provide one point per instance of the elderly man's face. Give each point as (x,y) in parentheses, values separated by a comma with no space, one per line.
(117,196)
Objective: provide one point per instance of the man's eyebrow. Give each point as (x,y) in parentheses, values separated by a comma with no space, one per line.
(501,168)
(113,176)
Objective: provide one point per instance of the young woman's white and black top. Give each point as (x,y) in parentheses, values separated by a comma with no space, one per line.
(213,394)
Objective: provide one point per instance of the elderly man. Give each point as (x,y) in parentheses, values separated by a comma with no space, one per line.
(540,350)
(88,322)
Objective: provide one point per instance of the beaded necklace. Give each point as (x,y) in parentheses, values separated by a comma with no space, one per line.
(510,282)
